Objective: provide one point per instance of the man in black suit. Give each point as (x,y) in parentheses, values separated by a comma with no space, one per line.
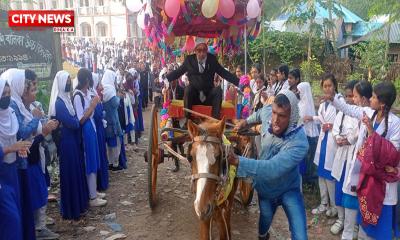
(201,68)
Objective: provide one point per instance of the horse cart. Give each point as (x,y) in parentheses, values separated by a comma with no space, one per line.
(166,23)
(161,140)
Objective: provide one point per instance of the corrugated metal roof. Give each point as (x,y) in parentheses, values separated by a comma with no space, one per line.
(362,28)
(381,33)
(348,16)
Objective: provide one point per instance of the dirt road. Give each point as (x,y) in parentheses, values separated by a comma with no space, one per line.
(174,216)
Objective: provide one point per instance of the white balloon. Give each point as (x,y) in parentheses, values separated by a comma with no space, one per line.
(134,5)
(140,20)
(253,9)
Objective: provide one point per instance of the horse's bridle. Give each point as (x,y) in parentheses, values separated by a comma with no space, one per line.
(207,139)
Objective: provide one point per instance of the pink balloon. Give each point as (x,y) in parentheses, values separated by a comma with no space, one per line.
(226,8)
(190,44)
(172,8)
(253,9)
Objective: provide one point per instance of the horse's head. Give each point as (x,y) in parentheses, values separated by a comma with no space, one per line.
(206,152)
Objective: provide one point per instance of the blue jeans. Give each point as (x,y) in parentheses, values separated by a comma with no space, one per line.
(293,205)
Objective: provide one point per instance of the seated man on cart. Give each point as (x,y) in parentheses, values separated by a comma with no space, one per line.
(201,68)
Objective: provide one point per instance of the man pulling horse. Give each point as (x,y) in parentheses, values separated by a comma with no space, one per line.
(275,175)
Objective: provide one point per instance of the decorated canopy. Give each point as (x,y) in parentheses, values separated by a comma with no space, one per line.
(226,22)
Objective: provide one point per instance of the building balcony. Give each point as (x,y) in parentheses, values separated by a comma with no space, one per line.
(85,11)
(101,10)
(89,11)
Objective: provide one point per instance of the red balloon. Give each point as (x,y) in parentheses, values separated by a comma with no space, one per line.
(190,44)
(226,8)
(172,8)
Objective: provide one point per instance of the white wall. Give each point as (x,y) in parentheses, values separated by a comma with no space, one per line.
(119,30)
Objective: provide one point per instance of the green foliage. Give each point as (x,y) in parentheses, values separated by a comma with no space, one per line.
(385,7)
(43,94)
(359,7)
(287,46)
(372,58)
(355,76)
(311,69)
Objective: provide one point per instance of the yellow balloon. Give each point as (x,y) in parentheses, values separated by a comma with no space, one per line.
(209,8)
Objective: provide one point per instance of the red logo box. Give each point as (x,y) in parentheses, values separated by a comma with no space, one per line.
(41,18)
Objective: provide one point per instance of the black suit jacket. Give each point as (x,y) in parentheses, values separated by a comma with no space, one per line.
(202,81)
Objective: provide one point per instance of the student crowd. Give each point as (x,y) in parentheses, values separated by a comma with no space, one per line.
(353,140)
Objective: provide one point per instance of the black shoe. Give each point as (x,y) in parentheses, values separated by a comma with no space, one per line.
(110,167)
(119,168)
(264,238)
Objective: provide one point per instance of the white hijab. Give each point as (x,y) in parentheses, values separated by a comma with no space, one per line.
(92,90)
(108,83)
(58,90)
(8,127)
(16,80)
(307,108)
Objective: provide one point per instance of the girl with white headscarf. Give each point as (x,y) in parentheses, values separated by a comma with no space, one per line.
(101,124)
(113,130)
(128,113)
(10,220)
(307,108)
(85,105)
(134,87)
(32,179)
(74,194)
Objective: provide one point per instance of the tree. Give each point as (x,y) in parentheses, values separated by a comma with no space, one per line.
(300,18)
(372,58)
(304,11)
(391,8)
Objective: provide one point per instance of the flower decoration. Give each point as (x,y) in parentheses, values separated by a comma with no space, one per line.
(164,113)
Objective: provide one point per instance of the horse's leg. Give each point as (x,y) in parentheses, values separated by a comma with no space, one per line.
(220,220)
(228,213)
(205,229)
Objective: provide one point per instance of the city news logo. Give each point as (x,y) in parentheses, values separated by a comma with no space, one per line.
(59,20)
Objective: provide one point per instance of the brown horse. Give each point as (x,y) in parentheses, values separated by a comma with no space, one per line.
(207,158)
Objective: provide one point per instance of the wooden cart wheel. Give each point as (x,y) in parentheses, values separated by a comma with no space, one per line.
(153,157)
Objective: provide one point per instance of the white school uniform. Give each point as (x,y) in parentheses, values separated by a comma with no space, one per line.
(325,116)
(344,154)
(393,135)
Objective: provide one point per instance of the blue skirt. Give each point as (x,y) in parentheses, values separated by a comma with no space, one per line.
(91,148)
(122,155)
(74,196)
(339,188)
(322,172)
(10,220)
(386,228)
(102,173)
(139,127)
(37,186)
(28,224)
(350,202)
(129,126)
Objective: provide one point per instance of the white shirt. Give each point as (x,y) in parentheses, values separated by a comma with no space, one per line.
(253,86)
(79,108)
(202,65)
